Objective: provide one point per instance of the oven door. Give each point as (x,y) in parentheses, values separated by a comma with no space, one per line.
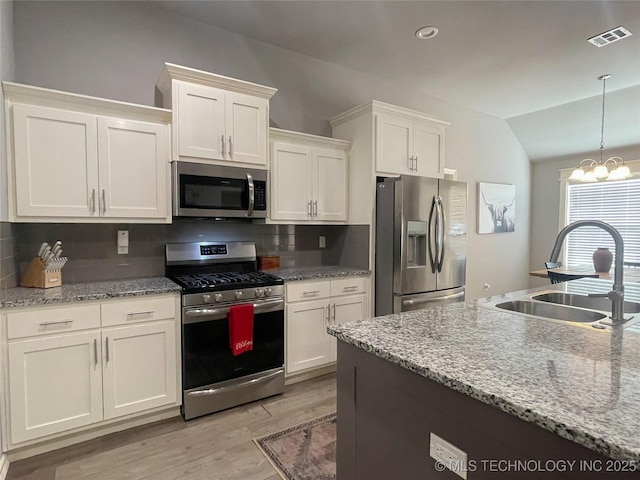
(201,190)
(206,355)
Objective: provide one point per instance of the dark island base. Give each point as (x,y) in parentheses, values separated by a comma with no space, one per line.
(386,414)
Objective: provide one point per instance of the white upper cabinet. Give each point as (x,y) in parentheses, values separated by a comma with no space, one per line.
(56,162)
(309,177)
(81,159)
(217,119)
(405,142)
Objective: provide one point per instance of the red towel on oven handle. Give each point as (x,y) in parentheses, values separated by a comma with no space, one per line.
(241,328)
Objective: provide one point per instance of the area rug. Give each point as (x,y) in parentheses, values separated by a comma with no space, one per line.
(303,452)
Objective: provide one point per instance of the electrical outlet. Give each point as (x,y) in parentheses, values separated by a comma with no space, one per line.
(322,241)
(123,242)
(448,455)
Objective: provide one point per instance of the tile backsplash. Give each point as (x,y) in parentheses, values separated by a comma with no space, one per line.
(8,260)
(92,251)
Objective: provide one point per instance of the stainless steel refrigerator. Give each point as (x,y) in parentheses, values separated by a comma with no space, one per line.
(421,243)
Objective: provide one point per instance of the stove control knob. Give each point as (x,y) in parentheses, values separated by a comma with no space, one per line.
(206,298)
(267,292)
(259,292)
(218,297)
(238,295)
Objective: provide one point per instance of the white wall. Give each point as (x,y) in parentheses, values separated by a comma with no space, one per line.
(6,73)
(116,50)
(545,216)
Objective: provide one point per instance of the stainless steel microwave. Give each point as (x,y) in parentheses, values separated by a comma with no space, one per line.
(202,190)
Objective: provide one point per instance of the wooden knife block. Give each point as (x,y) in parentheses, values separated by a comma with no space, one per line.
(36,276)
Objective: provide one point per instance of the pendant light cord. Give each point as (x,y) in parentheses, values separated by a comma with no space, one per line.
(604,84)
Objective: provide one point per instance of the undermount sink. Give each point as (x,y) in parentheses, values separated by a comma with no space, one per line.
(552,311)
(582,301)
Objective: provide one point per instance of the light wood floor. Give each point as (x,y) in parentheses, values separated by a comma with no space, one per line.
(218,446)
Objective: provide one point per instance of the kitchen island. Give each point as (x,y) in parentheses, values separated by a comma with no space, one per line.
(523,397)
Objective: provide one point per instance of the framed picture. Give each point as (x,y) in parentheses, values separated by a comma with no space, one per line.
(496,208)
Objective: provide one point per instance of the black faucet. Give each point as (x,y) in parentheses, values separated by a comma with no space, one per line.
(617,294)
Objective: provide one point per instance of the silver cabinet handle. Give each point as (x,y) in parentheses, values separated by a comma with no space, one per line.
(310,208)
(107,347)
(350,289)
(95,350)
(312,292)
(230,147)
(104,202)
(252,194)
(415,160)
(93,201)
(333,315)
(329,314)
(61,322)
(222,138)
(144,312)
(315,208)
(410,163)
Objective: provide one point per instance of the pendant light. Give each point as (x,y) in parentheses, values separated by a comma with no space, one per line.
(599,170)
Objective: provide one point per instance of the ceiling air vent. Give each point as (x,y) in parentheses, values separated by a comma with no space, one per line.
(610,36)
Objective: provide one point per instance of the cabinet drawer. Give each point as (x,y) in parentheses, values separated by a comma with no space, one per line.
(138,310)
(348,285)
(298,291)
(45,321)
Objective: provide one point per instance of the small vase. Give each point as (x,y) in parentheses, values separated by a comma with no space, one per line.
(602,259)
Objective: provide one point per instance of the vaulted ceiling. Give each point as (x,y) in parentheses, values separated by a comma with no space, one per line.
(528,62)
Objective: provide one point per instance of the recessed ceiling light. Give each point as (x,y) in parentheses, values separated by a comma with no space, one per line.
(425,33)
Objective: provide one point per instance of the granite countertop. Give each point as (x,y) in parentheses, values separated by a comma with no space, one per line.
(308,273)
(30,297)
(581,383)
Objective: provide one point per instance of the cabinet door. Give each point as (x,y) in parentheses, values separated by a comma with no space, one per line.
(134,159)
(346,309)
(247,119)
(291,182)
(331,184)
(56,162)
(393,147)
(307,342)
(200,121)
(139,368)
(428,145)
(55,384)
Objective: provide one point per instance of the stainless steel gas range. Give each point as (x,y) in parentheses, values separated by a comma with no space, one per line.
(215,277)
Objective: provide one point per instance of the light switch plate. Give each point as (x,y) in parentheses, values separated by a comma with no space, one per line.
(123,242)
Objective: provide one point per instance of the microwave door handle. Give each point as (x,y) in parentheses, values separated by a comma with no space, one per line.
(252,192)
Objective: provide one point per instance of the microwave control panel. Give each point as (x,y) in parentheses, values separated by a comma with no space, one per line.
(260,198)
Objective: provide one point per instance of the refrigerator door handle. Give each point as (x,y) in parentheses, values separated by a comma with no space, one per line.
(443,226)
(422,301)
(430,229)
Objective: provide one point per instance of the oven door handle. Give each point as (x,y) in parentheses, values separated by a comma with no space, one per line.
(196,315)
(213,391)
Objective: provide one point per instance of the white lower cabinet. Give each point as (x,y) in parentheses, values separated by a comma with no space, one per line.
(311,307)
(66,371)
(139,370)
(55,384)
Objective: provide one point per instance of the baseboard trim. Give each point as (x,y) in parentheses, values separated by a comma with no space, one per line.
(22,452)
(4,466)
(309,374)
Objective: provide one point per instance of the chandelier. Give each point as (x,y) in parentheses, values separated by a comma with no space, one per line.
(613,168)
